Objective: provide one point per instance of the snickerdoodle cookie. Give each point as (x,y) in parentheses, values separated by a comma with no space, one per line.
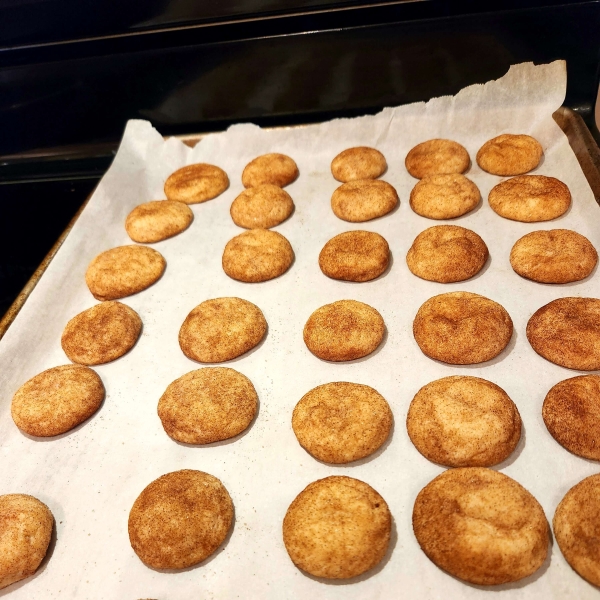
(437,157)
(261,207)
(337,527)
(57,400)
(363,200)
(461,328)
(510,154)
(444,196)
(275,169)
(361,162)
(341,422)
(355,256)
(158,220)
(196,183)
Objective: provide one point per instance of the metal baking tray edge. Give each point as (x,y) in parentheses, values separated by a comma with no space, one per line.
(583,144)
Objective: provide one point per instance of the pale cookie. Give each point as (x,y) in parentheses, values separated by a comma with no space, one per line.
(566,332)
(342,422)
(180,519)
(261,207)
(275,169)
(481,526)
(555,256)
(257,255)
(510,154)
(221,329)
(571,412)
(208,405)
(444,196)
(25,532)
(123,271)
(158,220)
(57,400)
(437,157)
(461,328)
(337,527)
(361,162)
(355,256)
(363,200)
(530,198)
(344,330)
(463,421)
(447,253)
(101,334)
(576,527)
(196,183)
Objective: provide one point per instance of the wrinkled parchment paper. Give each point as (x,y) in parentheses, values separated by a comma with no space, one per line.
(91,476)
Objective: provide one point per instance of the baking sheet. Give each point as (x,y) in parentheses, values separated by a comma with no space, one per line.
(91,476)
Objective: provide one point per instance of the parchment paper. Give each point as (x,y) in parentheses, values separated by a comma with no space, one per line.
(91,476)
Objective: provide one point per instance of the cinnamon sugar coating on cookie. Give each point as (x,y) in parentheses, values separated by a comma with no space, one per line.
(275,169)
(481,526)
(437,157)
(360,162)
(363,200)
(196,183)
(444,196)
(158,220)
(261,207)
(510,154)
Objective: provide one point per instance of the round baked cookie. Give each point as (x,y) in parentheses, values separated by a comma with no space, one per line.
(444,196)
(180,519)
(461,328)
(208,405)
(275,169)
(257,255)
(123,271)
(447,253)
(566,332)
(101,334)
(481,526)
(437,157)
(57,400)
(25,532)
(158,220)
(576,527)
(361,162)
(363,200)
(530,198)
(196,183)
(342,422)
(463,421)
(555,256)
(344,330)
(510,154)
(355,256)
(261,207)
(337,527)
(571,412)
(221,329)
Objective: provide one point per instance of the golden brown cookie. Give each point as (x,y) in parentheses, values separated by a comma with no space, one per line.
(461,328)
(437,157)
(196,183)
(337,527)
(342,422)
(566,332)
(261,207)
(530,198)
(481,526)
(257,255)
(57,400)
(123,271)
(101,334)
(510,154)
(208,405)
(355,256)
(344,330)
(571,412)
(25,532)
(555,256)
(576,527)
(361,162)
(363,200)
(275,169)
(158,220)
(180,519)
(447,253)
(463,421)
(444,196)
(221,329)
